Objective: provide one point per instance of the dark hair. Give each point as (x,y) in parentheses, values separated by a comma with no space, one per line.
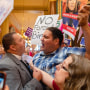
(56,34)
(8,40)
(75,9)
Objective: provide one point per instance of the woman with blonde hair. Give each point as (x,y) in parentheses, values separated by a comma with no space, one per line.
(79,74)
(72,74)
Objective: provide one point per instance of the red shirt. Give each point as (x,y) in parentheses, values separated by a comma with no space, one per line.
(55,85)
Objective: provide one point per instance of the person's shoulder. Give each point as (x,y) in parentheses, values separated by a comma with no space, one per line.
(37,54)
(7,61)
(63,48)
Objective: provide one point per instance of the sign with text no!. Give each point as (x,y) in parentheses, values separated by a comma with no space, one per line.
(40,26)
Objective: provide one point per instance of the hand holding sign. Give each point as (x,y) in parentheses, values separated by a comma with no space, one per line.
(83,15)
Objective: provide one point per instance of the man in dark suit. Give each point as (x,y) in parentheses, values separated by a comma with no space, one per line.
(18,76)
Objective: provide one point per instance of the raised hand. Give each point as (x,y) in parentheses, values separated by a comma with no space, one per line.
(83,15)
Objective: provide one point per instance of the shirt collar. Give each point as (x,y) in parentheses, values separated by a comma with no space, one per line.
(17,56)
(51,54)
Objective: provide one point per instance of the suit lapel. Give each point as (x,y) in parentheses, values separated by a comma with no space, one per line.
(18,62)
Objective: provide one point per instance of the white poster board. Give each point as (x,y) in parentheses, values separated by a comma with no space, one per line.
(6,7)
(40,26)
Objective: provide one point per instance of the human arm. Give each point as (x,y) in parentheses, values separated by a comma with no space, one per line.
(46,78)
(33,85)
(83,22)
(16,81)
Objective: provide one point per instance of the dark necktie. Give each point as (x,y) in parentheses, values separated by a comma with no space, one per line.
(27,66)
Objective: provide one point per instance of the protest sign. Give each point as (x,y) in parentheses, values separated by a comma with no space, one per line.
(28,32)
(6,7)
(40,26)
(70,13)
(58,23)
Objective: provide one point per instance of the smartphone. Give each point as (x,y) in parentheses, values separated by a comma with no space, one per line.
(2,80)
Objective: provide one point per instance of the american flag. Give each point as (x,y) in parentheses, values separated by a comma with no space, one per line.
(28,32)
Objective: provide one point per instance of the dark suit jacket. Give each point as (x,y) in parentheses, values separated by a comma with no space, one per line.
(18,77)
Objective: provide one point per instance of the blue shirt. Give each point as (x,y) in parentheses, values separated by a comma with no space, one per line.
(48,63)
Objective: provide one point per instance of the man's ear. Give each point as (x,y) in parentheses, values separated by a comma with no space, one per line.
(57,41)
(12,47)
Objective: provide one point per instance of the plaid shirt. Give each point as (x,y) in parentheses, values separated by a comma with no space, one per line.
(48,63)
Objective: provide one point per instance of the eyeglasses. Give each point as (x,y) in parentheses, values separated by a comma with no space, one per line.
(61,66)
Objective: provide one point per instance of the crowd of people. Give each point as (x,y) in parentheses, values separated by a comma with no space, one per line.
(59,68)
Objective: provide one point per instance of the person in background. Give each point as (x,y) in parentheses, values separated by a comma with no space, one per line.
(72,74)
(19,76)
(65,43)
(52,54)
(27,50)
(26,56)
(2,53)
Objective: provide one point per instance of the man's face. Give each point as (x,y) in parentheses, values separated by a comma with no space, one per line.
(19,44)
(48,43)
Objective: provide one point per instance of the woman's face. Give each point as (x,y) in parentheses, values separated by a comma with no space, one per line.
(71,4)
(62,71)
